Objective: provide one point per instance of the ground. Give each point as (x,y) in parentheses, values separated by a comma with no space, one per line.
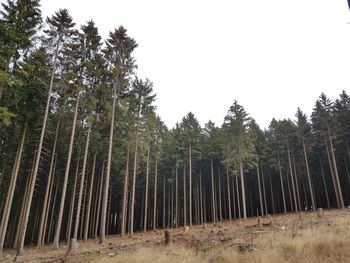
(306,237)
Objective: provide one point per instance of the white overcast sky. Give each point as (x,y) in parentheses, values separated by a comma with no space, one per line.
(272,56)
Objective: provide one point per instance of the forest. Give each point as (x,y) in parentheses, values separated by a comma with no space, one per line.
(84,155)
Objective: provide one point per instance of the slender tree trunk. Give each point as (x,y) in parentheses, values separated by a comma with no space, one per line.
(228,195)
(52,212)
(336,172)
(72,204)
(292,180)
(201,195)
(125,195)
(176,194)
(333,176)
(185,203)
(325,185)
(259,188)
(44,208)
(108,172)
(49,202)
(309,178)
(296,184)
(238,198)
(272,198)
(264,190)
(99,198)
(212,191)
(155,195)
(146,193)
(9,198)
(133,190)
(243,190)
(282,186)
(80,197)
(65,180)
(219,182)
(88,207)
(164,202)
(190,183)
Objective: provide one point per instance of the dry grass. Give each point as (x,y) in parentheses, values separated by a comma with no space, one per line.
(289,239)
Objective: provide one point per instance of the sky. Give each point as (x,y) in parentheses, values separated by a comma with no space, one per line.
(272,56)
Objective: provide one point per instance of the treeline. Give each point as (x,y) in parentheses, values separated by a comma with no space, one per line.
(83,153)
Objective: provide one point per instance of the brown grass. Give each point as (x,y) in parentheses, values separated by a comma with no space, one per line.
(289,239)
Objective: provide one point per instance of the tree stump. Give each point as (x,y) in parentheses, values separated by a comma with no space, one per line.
(319,212)
(259,222)
(168,237)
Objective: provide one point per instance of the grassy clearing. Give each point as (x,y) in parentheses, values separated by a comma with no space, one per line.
(290,238)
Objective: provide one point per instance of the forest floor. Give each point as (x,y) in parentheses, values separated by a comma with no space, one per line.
(307,237)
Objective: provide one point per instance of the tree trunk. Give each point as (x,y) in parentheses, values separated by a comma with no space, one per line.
(125,195)
(336,172)
(259,188)
(12,187)
(48,184)
(108,172)
(219,182)
(80,197)
(146,193)
(325,185)
(185,203)
(155,195)
(190,183)
(52,212)
(201,196)
(264,190)
(65,180)
(292,180)
(72,204)
(228,195)
(88,207)
(176,194)
(238,198)
(243,190)
(272,198)
(213,209)
(133,191)
(333,176)
(99,198)
(309,178)
(282,187)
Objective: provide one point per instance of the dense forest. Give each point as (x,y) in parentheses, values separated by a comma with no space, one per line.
(83,153)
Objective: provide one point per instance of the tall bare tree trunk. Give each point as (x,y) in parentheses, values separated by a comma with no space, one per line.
(176,194)
(99,198)
(125,195)
(336,172)
(185,203)
(201,196)
(282,186)
(243,190)
(259,189)
(146,193)
(219,182)
(296,184)
(48,184)
(325,186)
(333,176)
(264,190)
(238,198)
(213,209)
(80,197)
(131,233)
(11,192)
(108,173)
(292,179)
(228,195)
(52,212)
(88,207)
(56,239)
(155,195)
(272,198)
(190,183)
(309,178)
(72,204)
